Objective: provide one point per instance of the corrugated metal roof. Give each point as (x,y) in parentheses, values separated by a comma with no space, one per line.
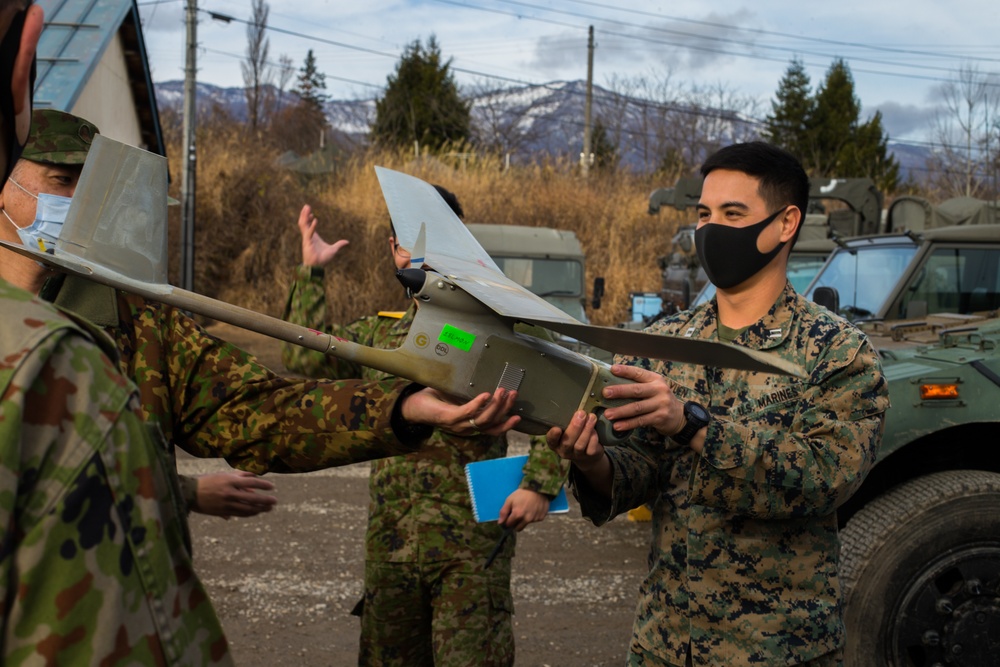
(75,37)
(76,34)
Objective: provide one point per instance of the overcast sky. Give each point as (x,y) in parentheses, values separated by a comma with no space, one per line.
(900,51)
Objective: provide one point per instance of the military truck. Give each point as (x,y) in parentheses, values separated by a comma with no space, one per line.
(908,276)
(859,212)
(921,537)
(548,262)
(916,214)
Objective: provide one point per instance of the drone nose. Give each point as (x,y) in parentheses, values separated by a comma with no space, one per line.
(412,279)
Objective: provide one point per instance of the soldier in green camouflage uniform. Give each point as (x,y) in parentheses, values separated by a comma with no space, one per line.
(743,567)
(94,567)
(207,396)
(428,601)
(51,163)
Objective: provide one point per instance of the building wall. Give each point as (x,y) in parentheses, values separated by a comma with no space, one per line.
(107,100)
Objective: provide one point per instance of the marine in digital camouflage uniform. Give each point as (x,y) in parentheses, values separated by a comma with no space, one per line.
(94,566)
(743,566)
(428,601)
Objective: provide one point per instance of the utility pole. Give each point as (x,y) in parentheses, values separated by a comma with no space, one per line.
(587,157)
(188,179)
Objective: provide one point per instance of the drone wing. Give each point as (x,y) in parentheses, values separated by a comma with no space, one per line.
(449,248)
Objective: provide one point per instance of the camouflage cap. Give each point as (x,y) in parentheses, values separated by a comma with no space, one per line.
(58,137)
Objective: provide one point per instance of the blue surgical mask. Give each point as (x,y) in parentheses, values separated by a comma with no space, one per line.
(50,214)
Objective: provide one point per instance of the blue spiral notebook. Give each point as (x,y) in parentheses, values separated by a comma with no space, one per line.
(490,482)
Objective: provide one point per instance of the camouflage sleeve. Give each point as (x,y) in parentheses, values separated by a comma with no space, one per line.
(544,472)
(212,399)
(94,566)
(635,481)
(761,468)
(635,469)
(306,306)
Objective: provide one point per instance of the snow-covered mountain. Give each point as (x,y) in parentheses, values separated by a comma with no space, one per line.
(529,121)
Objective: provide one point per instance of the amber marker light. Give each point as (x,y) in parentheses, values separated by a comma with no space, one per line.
(930,392)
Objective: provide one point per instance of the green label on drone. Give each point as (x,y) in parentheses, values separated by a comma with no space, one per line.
(463,340)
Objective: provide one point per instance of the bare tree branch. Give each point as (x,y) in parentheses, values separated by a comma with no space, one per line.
(256,71)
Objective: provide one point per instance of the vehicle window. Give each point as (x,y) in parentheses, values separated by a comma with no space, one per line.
(955,280)
(544,277)
(863,277)
(706,294)
(802,269)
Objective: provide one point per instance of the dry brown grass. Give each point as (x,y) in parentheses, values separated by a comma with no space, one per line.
(248,242)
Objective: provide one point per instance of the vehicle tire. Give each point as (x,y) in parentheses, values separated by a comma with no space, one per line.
(920,568)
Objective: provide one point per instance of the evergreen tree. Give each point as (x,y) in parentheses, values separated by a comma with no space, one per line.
(825,132)
(605,152)
(311,84)
(302,128)
(792,109)
(834,121)
(421,102)
(868,155)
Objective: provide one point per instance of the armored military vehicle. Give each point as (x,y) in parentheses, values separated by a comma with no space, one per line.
(921,538)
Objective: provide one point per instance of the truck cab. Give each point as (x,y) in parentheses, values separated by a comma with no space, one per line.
(547,262)
(952,269)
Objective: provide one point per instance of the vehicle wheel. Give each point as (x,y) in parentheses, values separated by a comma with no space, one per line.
(920,568)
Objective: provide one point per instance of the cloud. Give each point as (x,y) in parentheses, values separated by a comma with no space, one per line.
(901,120)
(669,45)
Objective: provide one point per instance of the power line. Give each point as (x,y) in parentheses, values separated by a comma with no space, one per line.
(693,46)
(531,83)
(239,56)
(685,109)
(604,96)
(612,33)
(771,33)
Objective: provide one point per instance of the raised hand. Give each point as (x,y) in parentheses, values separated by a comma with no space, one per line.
(315,251)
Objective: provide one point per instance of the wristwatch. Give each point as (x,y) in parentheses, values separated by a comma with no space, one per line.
(696,418)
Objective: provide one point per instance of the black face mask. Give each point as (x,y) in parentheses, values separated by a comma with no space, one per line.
(729,255)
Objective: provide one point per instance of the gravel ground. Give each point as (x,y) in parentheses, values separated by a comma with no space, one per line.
(284,583)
